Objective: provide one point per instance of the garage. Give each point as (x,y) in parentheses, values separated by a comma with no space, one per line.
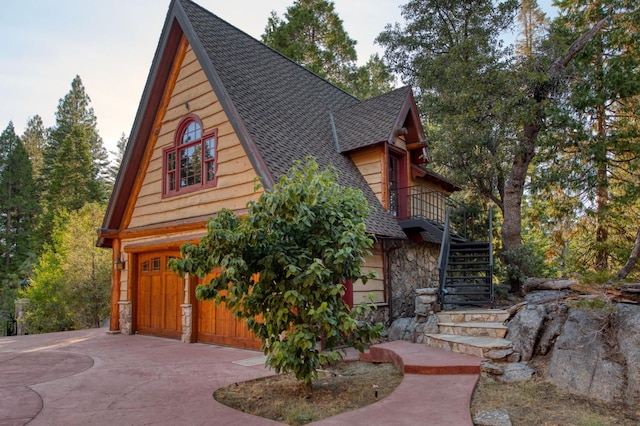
(159,312)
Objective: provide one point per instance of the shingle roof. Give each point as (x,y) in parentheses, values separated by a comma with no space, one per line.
(285,109)
(371,121)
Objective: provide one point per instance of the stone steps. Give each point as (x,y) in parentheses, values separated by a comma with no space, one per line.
(477,332)
(475,329)
(481,347)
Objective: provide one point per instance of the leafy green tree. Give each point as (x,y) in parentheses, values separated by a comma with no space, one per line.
(35,139)
(282,268)
(70,286)
(311,33)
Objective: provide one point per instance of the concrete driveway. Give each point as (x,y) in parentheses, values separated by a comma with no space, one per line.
(91,377)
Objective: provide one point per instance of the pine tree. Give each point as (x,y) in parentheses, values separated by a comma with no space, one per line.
(18,209)
(8,141)
(73,112)
(311,34)
(35,139)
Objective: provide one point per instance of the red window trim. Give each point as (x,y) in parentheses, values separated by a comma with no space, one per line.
(177,147)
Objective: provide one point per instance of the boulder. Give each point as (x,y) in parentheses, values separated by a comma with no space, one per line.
(402,329)
(584,360)
(498,417)
(629,343)
(517,372)
(425,325)
(545,296)
(556,316)
(523,330)
(491,368)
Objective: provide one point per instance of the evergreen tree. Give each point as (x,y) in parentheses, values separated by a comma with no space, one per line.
(599,153)
(35,139)
(8,141)
(72,182)
(533,28)
(74,112)
(311,34)
(18,209)
(118,155)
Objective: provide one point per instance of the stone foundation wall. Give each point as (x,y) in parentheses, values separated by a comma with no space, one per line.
(413,266)
(125,312)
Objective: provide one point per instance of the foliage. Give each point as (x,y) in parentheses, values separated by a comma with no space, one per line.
(282,268)
(311,34)
(70,286)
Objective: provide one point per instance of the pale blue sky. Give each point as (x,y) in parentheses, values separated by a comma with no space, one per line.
(110,44)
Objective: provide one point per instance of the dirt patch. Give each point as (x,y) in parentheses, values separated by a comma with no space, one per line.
(537,402)
(343,387)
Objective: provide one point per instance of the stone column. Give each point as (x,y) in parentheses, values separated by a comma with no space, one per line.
(187,315)
(21,306)
(425,318)
(125,309)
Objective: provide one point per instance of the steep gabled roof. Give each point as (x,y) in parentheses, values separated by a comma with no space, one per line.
(280,111)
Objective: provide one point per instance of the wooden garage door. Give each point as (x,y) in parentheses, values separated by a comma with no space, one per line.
(160,294)
(216,324)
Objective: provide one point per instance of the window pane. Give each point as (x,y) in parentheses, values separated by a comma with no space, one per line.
(211,170)
(191,133)
(171,181)
(190,166)
(171,161)
(210,148)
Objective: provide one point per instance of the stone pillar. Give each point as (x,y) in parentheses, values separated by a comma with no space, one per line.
(21,306)
(187,316)
(425,318)
(125,310)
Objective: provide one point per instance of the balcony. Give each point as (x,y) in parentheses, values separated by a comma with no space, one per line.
(420,209)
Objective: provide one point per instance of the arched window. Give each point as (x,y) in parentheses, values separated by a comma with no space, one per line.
(190,164)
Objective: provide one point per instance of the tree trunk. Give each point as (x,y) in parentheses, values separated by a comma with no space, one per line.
(633,259)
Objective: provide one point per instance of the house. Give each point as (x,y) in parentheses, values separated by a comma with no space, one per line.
(219,111)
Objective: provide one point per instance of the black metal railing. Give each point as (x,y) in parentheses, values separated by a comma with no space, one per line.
(421,202)
(443,260)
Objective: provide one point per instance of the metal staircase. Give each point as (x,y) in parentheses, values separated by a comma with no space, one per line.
(466,270)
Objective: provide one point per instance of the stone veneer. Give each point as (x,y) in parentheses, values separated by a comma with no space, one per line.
(413,266)
(125,311)
(187,312)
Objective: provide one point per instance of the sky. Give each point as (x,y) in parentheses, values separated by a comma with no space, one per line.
(110,44)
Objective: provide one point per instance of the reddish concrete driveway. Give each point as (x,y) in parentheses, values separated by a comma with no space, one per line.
(91,377)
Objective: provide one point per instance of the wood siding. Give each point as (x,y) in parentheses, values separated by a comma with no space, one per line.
(192,94)
(371,163)
(374,286)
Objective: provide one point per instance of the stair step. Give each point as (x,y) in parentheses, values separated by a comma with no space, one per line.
(474,329)
(476,346)
(473,315)
(468,263)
